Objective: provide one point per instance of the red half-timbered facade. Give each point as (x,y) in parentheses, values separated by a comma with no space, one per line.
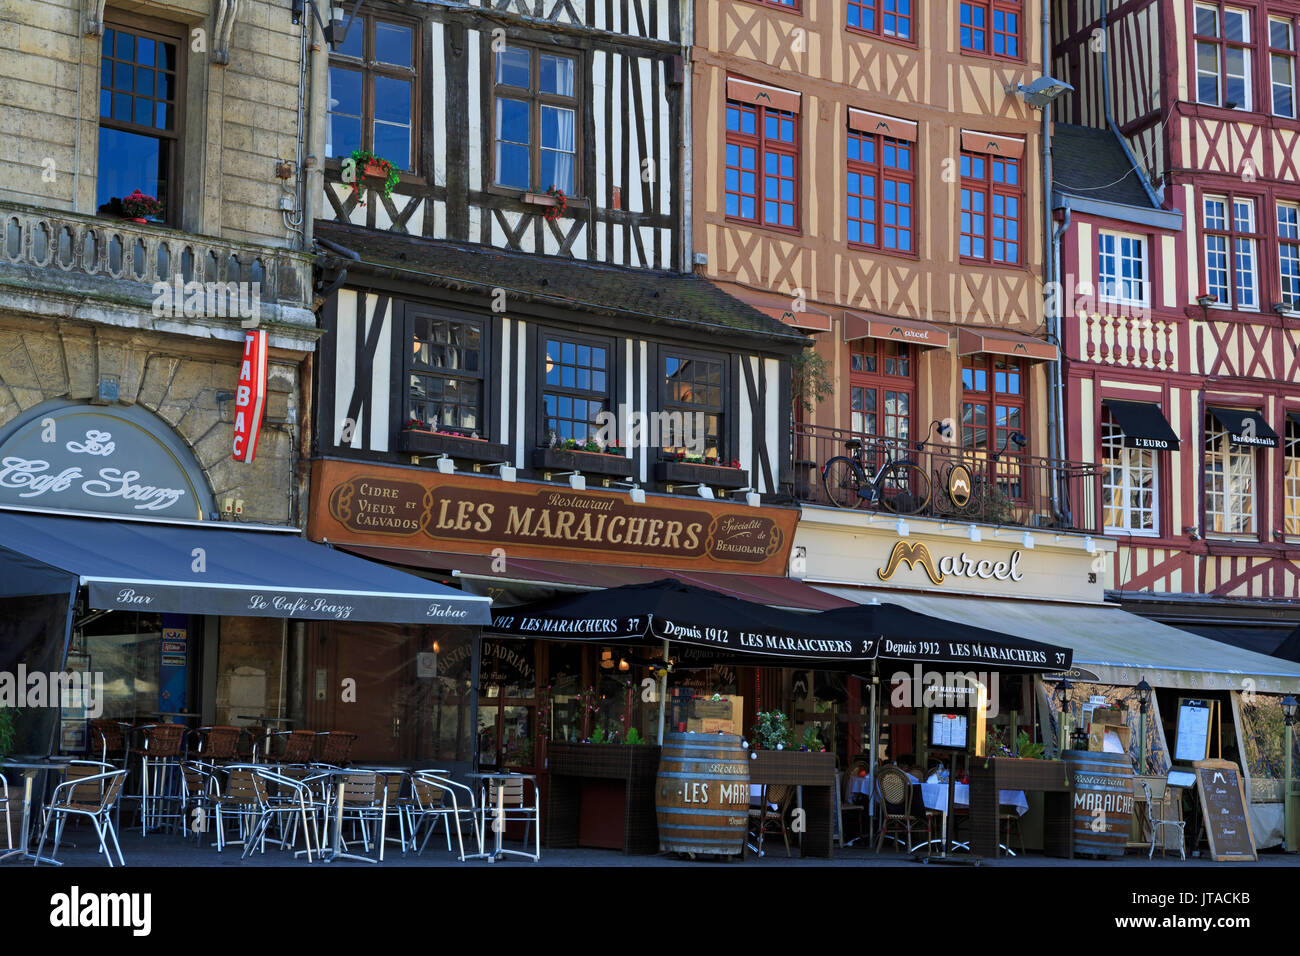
(1201,99)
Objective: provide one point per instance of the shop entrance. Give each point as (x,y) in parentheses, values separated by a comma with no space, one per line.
(507,706)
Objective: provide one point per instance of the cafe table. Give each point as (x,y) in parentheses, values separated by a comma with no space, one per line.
(335,850)
(32,767)
(486,787)
(934,796)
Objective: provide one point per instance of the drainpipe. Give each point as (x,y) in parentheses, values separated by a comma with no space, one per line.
(1055,332)
(688,177)
(1055,446)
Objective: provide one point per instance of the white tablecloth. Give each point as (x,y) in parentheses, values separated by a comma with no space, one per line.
(935,795)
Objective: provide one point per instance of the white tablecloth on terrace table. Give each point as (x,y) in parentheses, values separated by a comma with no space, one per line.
(935,795)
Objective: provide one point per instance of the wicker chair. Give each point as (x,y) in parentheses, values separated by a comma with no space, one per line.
(160,785)
(218,744)
(91,792)
(333,748)
(297,747)
(766,820)
(894,791)
(112,736)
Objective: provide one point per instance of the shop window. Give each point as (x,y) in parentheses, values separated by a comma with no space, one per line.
(886,18)
(1222,38)
(1229,482)
(1121,268)
(880,192)
(1291,477)
(882,388)
(1128,488)
(991,200)
(373,91)
(990,27)
(1281,43)
(1231,251)
(1288,253)
(762,165)
(694,394)
(535,120)
(576,388)
(445,373)
(141,118)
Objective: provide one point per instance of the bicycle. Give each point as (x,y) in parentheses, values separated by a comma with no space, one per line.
(899,486)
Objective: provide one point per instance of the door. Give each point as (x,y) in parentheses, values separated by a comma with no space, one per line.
(357,681)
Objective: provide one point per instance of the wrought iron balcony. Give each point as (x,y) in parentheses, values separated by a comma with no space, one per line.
(118,263)
(1003,487)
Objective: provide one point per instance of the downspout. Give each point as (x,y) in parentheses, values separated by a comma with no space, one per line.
(1058,391)
(688,39)
(1055,447)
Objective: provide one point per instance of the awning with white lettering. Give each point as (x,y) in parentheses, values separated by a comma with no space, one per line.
(1245,427)
(1144,425)
(210,568)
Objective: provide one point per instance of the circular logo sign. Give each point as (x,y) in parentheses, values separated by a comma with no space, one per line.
(960,483)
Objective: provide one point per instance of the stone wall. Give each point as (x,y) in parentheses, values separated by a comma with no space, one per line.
(176,379)
(251,654)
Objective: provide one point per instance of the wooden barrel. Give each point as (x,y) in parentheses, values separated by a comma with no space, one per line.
(702,794)
(1102,801)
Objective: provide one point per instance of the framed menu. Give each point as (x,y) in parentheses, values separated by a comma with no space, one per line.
(948,730)
(1223,802)
(1193,735)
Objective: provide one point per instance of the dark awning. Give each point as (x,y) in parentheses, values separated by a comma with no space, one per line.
(215,569)
(1144,425)
(1245,427)
(679,612)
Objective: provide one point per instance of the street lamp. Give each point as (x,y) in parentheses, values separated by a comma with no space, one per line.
(1289,707)
(1062,695)
(1144,701)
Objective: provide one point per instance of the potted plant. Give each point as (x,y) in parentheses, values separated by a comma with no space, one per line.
(553,199)
(375,171)
(588,456)
(8,731)
(138,207)
(681,468)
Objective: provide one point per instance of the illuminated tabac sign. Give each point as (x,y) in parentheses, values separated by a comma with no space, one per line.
(250,396)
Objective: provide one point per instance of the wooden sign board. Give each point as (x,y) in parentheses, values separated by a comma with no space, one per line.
(1223,802)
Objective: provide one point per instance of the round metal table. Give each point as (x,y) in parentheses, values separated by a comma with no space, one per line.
(32,767)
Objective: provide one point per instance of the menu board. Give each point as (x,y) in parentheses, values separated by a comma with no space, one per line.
(1193,729)
(948,730)
(1223,802)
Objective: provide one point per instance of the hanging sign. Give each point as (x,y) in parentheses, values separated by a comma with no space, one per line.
(250,395)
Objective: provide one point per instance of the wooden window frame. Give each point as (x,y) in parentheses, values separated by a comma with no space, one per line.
(369,68)
(1110,440)
(1231,236)
(881,381)
(761,145)
(543,389)
(1291,476)
(412,313)
(989,7)
(1289,52)
(1222,44)
(882,173)
(167,32)
(879,13)
(989,189)
(536,99)
(1226,450)
(722,411)
(795,6)
(991,398)
(1292,241)
(1144,259)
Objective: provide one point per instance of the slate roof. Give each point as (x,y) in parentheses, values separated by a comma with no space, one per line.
(653,296)
(1091,164)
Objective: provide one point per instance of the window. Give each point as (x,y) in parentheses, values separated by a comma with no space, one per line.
(770,137)
(886,18)
(536,120)
(881,388)
(694,388)
(140,118)
(1222,39)
(445,384)
(993,416)
(990,208)
(1288,252)
(576,389)
(880,188)
(1281,42)
(1231,262)
(990,27)
(1128,487)
(372,92)
(1291,475)
(1121,268)
(1229,482)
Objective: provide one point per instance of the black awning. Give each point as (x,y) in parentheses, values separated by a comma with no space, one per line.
(206,568)
(1246,427)
(1144,425)
(843,638)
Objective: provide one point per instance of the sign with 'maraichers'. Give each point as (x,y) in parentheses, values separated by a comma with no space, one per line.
(390,507)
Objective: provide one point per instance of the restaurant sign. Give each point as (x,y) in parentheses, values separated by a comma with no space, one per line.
(99,459)
(402,507)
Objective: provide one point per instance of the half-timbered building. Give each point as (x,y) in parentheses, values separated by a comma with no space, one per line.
(1194,104)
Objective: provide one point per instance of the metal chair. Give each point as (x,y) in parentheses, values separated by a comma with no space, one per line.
(218,744)
(160,760)
(4,804)
(91,795)
(245,799)
(297,747)
(770,820)
(1156,824)
(365,799)
(845,805)
(510,801)
(333,748)
(284,797)
(429,794)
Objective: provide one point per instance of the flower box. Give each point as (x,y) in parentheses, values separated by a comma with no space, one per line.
(602,795)
(588,462)
(540,199)
(797,767)
(1021,773)
(372,169)
(420,442)
(689,473)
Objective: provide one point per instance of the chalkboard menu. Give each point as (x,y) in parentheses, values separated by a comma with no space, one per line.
(1223,802)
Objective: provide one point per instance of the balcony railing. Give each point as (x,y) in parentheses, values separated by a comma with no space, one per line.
(1006,487)
(123,260)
